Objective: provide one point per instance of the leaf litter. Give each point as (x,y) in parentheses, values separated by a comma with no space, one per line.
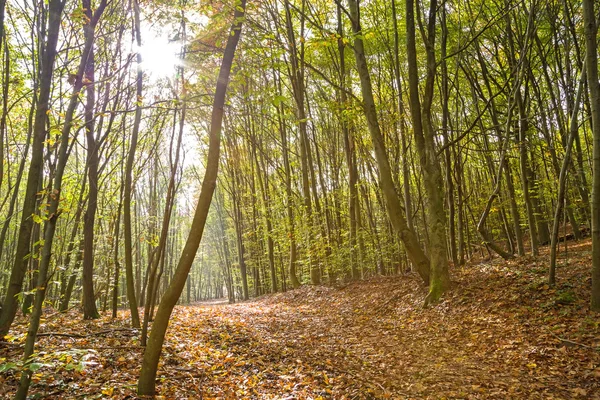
(502,332)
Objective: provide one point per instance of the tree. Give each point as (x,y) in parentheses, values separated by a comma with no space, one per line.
(413,248)
(146,383)
(55,197)
(591,61)
(131,297)
(10,305)
(424,137)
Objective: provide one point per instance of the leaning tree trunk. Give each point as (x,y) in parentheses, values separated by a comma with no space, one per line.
(413,248)
(147,381)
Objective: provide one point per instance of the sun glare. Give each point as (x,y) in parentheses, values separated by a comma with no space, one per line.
(160,56)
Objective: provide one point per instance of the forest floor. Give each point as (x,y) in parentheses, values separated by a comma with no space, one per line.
(501,333)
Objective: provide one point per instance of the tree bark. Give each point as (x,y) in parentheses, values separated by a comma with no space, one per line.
(17,274)
(131,295)
(424,138)
(591,61)
(395,212)
(147,380)
(53,208)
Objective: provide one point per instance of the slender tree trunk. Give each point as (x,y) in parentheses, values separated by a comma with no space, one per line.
(264,189)
(293,260)
(297,80)
(225,245)
(53,209)
(562,181)
(514,208)
(117,264)
(591,60)
(241,249)
(131,297)
(458,171)
(68,278)
(5,86)
(349,148)
(147,380)
(413,248)
(10,304)
(166,220)
(89,304)
(446,134)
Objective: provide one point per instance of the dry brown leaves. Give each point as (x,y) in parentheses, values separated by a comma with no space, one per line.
(500,333)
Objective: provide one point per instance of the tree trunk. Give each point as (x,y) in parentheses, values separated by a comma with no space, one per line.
(116,243)
(17,274)
(297,80)
(55,196)
(159,251)
(288,193)
(147,380)
(591,60)
(447,145)
(562,181)
(424,138)
(349,148)
(131,297)
(89,304)
(264,189)
(68,278)
(413,248)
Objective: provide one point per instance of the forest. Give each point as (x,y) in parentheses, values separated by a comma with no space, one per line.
(299,199)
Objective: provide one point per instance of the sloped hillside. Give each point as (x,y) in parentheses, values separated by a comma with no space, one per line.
(502,332)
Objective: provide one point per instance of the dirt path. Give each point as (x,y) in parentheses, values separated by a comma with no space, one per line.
(355,343)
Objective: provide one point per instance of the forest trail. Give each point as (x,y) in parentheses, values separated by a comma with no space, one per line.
(501,333)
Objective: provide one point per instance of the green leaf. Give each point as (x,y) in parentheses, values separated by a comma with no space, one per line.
(278,100)
(7,366)
(35,366)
